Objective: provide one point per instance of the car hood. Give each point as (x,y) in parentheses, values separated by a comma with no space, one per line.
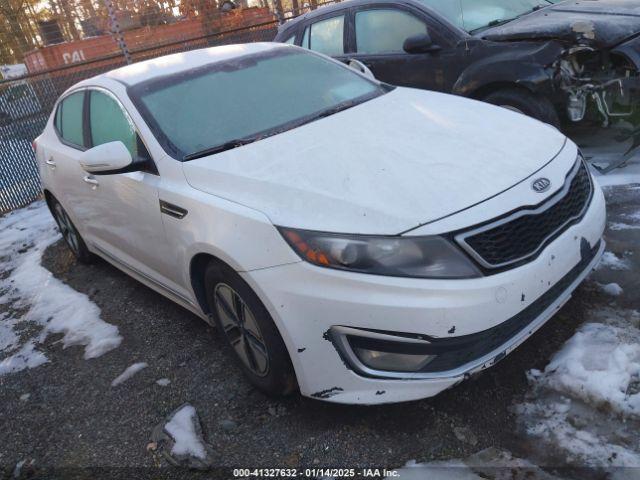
(383,167)
(601,23)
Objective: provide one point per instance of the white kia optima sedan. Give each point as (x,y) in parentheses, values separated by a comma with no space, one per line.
(366,243)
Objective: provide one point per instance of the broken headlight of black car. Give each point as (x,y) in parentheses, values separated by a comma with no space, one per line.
(601,85)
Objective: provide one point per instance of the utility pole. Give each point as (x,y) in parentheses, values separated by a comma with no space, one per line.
(115,31)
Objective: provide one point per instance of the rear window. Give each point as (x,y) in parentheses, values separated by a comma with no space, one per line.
(69,119)
(249,97)
(327,36)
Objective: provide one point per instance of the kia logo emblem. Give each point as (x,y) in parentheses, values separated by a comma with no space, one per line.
(541,185)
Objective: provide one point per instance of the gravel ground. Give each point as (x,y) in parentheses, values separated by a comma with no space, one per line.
(75,418)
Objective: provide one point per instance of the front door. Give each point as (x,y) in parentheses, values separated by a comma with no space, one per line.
(126,223)
(379,35)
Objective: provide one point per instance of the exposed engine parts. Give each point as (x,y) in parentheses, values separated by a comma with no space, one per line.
(601,85)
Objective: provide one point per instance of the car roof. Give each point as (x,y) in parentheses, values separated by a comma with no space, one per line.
(183,61)
(336,7)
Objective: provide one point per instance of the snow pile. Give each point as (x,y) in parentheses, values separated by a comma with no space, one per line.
(586,403)
(612,289)
(182,428)
(129,372)
(598,365)
(39,304)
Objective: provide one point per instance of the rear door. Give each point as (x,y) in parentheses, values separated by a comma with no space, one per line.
(327,35)
(61,160)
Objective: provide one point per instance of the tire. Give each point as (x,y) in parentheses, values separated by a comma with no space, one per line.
(525,102)
(70,233)
(249,331)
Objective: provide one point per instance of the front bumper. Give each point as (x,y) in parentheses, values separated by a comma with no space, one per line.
(314,308)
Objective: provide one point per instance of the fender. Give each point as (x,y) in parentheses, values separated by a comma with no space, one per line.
(631,50)
(526,64)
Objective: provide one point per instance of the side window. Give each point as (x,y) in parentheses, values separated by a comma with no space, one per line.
(327,36)
(384,31)
(69,123)
(109,123)
(57,121)
(291,40)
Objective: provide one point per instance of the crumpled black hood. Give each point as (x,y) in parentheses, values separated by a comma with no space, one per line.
(598,23)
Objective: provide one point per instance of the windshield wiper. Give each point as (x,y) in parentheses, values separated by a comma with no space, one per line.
(492,23)
(223,147)
(498,22)
(333,110)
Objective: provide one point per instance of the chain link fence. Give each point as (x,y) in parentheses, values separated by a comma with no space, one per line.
(46,46)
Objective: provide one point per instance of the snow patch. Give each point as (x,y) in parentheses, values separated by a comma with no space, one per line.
(617,226)
(602,151)
(449,470)
(26,357)
(38,301)
(562,428)
(129,372)
(490,463)
(628,175)
(183,430)
(163,382)
(611,261)
(635,216)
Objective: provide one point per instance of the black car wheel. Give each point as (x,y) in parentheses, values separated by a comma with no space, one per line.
(70,233)
(249,331)
(525,102)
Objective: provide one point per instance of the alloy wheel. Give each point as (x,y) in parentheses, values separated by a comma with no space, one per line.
(242,330)
(67,229)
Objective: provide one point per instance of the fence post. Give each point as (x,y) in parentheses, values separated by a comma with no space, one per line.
(279,11)
(115,31)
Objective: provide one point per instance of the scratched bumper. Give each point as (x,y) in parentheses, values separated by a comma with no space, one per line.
(308,303)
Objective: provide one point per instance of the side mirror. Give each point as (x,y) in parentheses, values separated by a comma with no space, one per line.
(420,44)
(360,67)
(106,158)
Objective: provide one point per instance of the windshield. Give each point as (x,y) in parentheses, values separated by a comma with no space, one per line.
(472,15)
(230,103)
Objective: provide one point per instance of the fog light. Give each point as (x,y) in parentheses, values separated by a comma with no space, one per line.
(392,362)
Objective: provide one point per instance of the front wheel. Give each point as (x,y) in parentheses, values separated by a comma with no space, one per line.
(249,331)
(527,103)
(70,233)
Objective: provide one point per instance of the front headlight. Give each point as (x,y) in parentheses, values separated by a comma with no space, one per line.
(420,257)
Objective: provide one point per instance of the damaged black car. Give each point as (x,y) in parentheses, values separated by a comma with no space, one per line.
(564,63)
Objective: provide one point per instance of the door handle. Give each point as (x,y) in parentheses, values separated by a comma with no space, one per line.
(51,162)
(91,181)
